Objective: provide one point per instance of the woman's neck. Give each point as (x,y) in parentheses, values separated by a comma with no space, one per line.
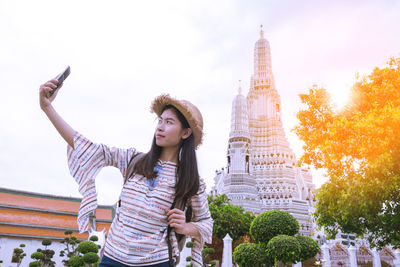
(169,154)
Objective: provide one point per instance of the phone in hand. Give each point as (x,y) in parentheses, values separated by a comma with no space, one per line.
(61,79)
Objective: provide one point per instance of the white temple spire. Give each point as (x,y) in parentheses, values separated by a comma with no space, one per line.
(261,31)
(262,173)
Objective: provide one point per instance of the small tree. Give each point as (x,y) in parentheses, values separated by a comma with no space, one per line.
(284,248)
(189,244)
(250,255)
(85,254)
(272,223)
(43,257)
(207,252)
(309,248)
(71,242)
(90,258)
(48,253)
(228,219)
(275,231)
(18,254)
(38,257)
(75,261)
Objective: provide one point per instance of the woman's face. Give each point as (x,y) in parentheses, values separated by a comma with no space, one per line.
(169,131)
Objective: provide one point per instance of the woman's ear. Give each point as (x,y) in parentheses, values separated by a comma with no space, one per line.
(187,132)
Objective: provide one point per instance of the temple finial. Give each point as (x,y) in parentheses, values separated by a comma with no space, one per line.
(240,87)
(261,31)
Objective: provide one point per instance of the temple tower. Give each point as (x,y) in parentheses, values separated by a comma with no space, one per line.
(259,153)
(280,183)
(238,184)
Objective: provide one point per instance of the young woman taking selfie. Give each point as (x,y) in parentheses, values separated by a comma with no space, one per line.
(163,197)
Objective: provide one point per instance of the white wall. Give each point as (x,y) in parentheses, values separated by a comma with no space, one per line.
(7,246)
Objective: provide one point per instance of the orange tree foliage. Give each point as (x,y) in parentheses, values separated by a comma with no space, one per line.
(359,147)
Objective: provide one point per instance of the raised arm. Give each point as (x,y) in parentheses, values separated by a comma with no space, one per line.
(65,130)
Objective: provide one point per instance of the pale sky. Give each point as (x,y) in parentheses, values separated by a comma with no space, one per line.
(124,53)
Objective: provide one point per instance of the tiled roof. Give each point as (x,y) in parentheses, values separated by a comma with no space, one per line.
(35,215)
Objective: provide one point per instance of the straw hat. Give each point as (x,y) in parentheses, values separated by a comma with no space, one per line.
(190,112)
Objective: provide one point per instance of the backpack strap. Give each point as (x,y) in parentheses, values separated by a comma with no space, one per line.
(131,165)
(129,170)
(179,204)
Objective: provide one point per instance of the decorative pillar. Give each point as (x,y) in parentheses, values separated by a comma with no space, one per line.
(352,256)
(326,258)
(227,252)
(377,259)
(396,258)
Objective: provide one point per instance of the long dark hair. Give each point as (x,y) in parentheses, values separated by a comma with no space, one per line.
(187,174)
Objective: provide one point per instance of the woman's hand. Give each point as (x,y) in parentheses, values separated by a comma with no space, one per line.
(177,219)
(44,93)
(63,128)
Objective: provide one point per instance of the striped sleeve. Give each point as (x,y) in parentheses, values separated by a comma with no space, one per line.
(202,221)
(85,161)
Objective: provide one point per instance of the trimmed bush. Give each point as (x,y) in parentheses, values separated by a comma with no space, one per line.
(46,242)
(90,257)
(272,223)
(284,248)
(34,264)
(207,251)
(309,247)
(87,246)
(37,255)
(68,232)
(94,238)
(75,261)
(250,255)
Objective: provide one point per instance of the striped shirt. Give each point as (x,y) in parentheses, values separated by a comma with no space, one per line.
(137,235)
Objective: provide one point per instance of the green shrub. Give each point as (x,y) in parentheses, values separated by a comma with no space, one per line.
(18,251)
(75,261)
(272,223)
(94,238)
(37,255)
(87,246)
(189,244)
(251,255)
(34,264)
(46,242)
(284,248)
(68,232)
(309,247)
(207,251)
(188,258)
(90,257)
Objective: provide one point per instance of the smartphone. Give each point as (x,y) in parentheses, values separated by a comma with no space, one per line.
(61,79)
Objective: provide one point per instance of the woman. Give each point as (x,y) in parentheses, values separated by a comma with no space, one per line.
(139,234)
